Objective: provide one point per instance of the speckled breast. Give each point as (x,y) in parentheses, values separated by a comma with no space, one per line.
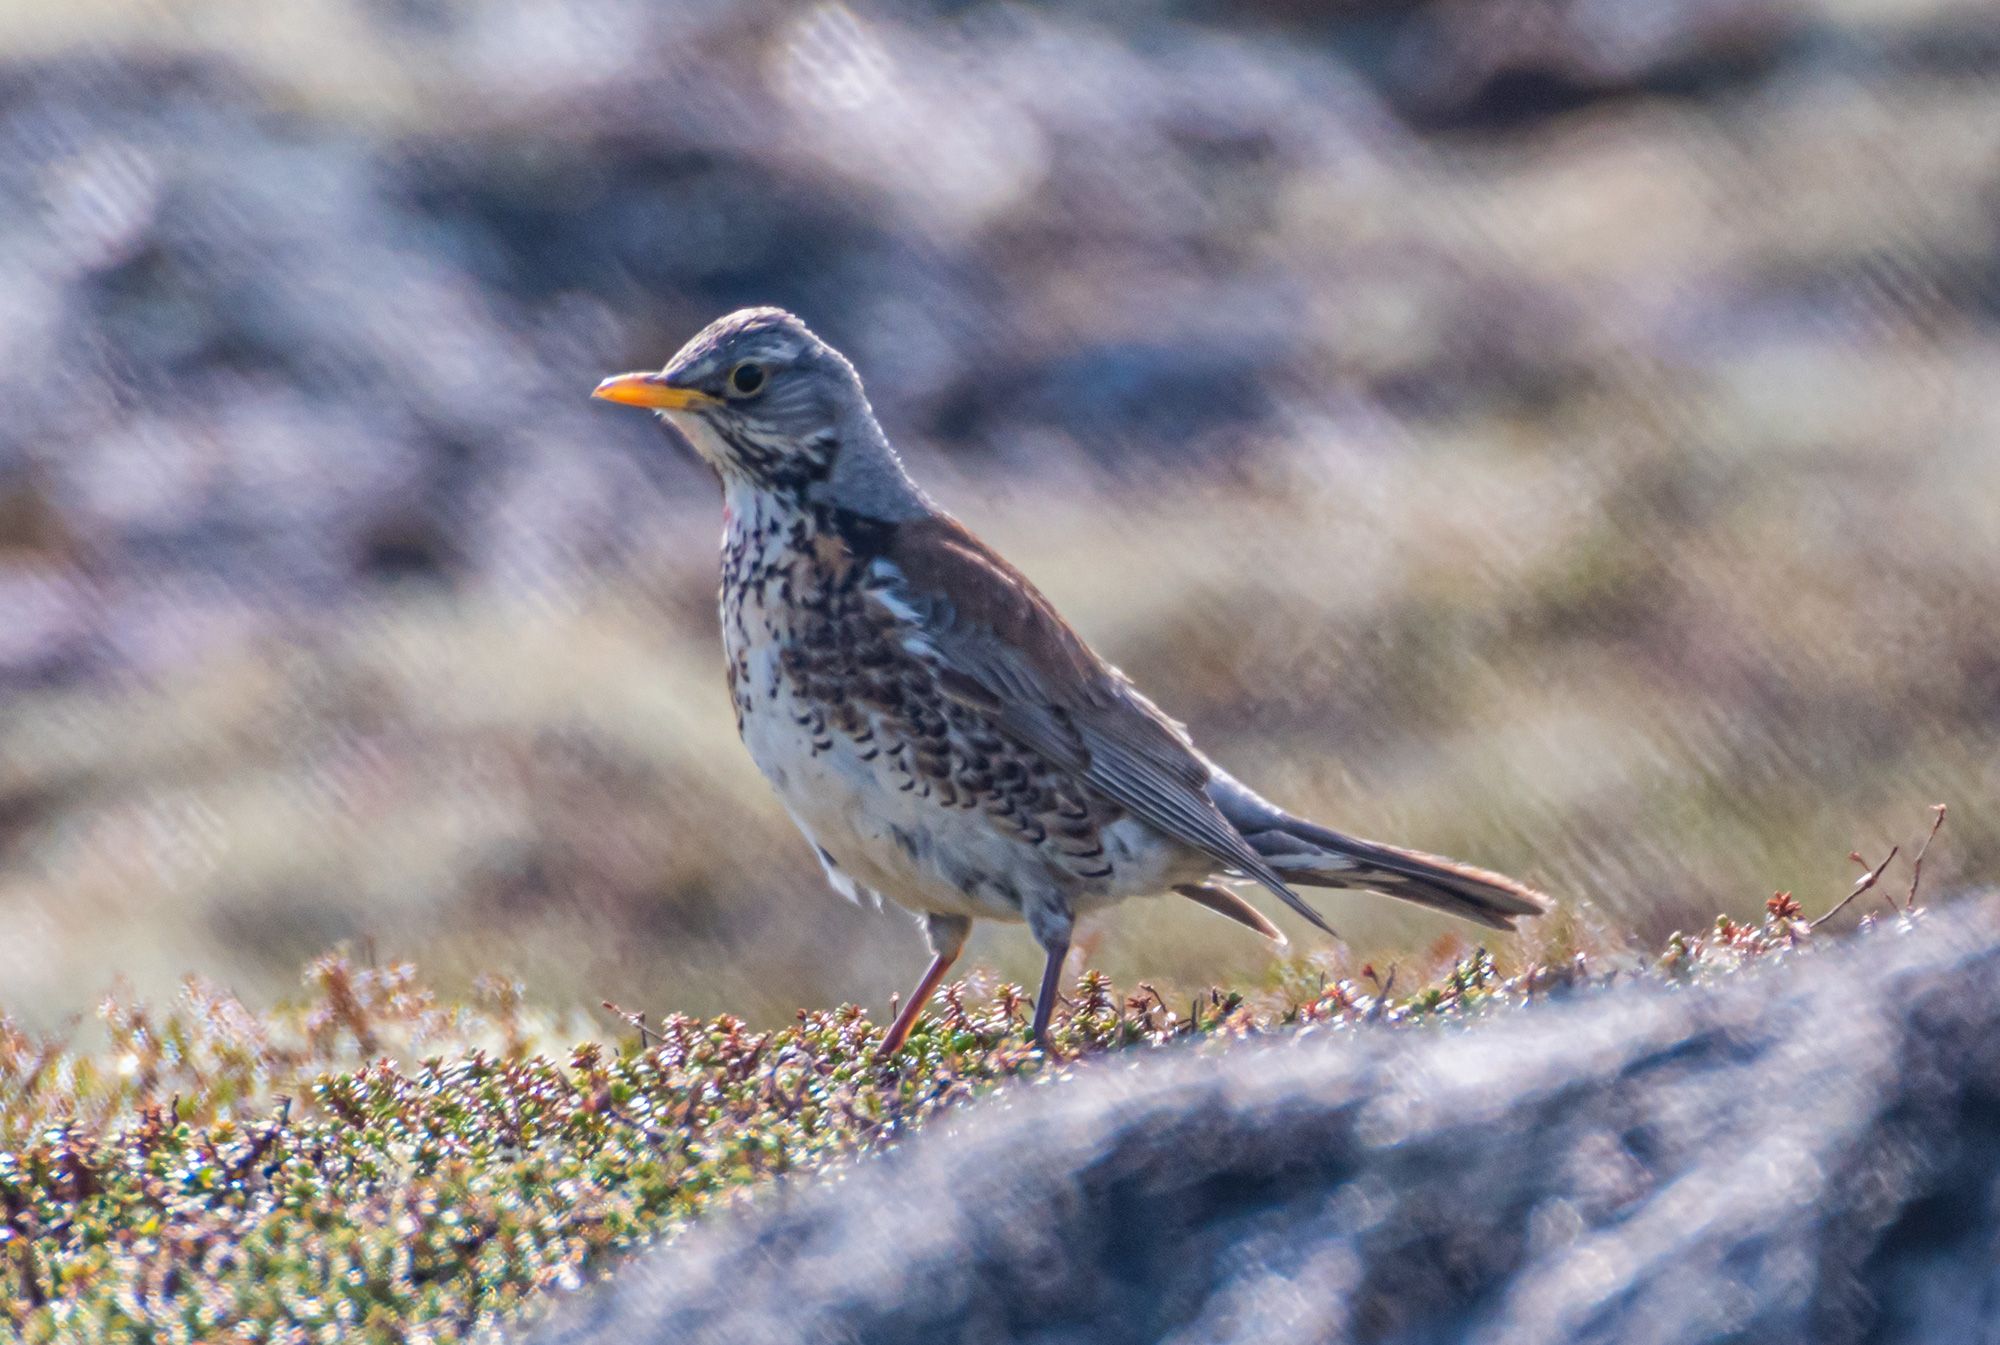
(906,792)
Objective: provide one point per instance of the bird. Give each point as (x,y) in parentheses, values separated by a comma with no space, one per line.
(943,738)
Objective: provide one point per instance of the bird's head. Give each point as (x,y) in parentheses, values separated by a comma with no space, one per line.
(762,398)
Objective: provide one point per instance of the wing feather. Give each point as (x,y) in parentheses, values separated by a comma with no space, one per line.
(1002,648)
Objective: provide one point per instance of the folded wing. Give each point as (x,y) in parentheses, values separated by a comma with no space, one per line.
(999,646)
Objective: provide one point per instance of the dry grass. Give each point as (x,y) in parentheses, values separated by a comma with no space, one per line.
(1649,690)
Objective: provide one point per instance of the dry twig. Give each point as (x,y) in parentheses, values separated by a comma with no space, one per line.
(1866,881)
(1917,868)
(647,1037)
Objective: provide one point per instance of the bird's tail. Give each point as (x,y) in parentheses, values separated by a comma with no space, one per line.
(1310,855)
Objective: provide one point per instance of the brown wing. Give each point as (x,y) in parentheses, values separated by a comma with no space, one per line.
(1000,646)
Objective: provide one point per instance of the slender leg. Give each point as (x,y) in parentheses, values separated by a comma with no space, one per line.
(906,1021)
(1045,1004)
(946,935)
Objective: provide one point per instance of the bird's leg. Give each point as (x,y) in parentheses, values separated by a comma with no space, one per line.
(946,936)
(1045,1003)
(906,1021)
(1051,922)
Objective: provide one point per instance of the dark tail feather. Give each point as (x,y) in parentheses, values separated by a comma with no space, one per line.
(1226,903)
(1310,855)
(1329,859)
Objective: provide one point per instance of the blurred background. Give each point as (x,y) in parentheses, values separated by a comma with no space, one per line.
(1559,433)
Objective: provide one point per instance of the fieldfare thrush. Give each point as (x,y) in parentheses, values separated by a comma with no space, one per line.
(942,737)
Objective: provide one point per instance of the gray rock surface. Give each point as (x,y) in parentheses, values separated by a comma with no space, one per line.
(1804,1153)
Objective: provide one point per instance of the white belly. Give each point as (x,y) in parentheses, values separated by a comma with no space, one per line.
(875,837)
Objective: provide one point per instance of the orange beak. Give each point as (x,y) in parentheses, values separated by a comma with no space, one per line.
(653,392)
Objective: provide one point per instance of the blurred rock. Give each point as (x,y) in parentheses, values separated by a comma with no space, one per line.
(316,312)
(1554,431)
(1804,1154)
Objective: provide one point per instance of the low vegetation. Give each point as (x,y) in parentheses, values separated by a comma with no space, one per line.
(373,1164)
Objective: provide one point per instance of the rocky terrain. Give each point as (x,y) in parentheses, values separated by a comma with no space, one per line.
(1554,432)
(1805,1153)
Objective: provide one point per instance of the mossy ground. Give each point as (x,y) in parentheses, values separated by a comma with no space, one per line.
(374,1165)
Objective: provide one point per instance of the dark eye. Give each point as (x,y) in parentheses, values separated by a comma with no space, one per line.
(746,378)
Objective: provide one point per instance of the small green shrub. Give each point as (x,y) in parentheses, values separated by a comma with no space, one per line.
(208,1173)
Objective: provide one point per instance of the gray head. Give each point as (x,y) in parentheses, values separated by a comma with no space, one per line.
(773,408)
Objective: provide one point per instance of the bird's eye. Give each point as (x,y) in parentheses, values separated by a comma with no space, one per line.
(746,379)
